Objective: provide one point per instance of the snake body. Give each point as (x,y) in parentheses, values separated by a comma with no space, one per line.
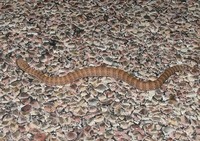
(99,71)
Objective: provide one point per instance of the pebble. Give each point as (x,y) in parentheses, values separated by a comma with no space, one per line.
(168,130)
(71,135)
(93,102)
(100,88)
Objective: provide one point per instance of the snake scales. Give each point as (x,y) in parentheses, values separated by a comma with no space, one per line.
(100,71)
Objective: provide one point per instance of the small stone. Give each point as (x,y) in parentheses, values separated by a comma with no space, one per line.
(168,130)
(71,135)
(26,108)
(93,102)
(101,88)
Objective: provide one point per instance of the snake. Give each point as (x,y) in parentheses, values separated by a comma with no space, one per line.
(100,71)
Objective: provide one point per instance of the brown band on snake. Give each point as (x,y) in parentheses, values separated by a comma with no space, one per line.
(100,71)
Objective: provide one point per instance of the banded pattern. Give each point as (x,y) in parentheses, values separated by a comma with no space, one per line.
(100,71)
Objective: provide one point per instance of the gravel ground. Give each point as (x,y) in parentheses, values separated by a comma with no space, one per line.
(143,38)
